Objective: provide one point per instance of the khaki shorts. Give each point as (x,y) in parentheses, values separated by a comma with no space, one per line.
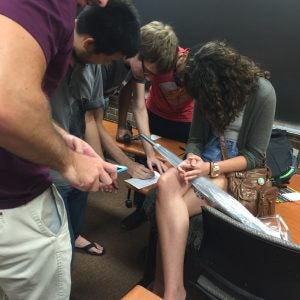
(35,249)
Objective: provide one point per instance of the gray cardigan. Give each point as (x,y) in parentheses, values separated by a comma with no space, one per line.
(256,128)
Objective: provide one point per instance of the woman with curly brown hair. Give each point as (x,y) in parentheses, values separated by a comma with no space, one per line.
(234,99)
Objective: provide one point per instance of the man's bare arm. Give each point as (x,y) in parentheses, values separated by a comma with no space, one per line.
(25,123)
(91,132)
(109,144)
(107,141)
(26,128)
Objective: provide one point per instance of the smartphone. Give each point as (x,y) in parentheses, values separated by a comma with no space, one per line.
(121,169)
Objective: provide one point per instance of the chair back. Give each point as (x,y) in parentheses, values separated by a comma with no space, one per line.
(238,262)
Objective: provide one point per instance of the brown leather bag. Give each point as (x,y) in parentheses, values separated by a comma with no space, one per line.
(252,188)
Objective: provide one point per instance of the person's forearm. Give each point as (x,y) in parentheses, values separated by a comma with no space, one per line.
(27,131)
(143,127)
(112,148)
(91,133)
(26,128)
(107,142)
(142,123)
(59,129)
(237,163)
(141,115)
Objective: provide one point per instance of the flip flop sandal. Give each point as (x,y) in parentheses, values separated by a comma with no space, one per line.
(87,248)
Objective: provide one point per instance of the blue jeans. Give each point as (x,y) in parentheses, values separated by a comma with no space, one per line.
(75,203)
(212,150)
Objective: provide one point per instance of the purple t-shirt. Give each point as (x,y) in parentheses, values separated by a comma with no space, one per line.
(51,23)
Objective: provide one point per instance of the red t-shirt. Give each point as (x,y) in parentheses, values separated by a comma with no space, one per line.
(51,23)
(169,101)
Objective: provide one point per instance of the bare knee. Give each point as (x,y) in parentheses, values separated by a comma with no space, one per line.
(169,188)
(166,180)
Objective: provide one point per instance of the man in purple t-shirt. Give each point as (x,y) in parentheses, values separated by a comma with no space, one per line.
(36,44)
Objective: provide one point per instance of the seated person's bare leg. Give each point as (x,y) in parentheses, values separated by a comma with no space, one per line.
(158,285)
(176,202)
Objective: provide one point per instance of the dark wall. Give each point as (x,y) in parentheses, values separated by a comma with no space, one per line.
(268,31)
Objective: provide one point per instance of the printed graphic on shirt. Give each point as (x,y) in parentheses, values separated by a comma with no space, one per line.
(174,94)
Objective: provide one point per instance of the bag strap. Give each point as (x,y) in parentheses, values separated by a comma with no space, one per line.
(223,147)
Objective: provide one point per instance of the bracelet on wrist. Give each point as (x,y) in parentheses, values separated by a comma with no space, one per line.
(215,169)
(210,166)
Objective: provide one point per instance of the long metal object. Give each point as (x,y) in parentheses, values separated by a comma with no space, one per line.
(226,202)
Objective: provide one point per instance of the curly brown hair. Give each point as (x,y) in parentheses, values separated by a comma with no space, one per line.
(221,79)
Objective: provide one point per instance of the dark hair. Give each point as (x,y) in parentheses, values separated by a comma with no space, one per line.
(115,27)
(221,79)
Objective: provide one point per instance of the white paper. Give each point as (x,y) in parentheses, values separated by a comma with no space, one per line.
(141,183)
(154,137)
(292,196)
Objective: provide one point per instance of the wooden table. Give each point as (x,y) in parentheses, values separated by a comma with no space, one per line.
(136,147)
(290,211)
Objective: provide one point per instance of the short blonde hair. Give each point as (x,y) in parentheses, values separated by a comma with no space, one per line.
(159,45)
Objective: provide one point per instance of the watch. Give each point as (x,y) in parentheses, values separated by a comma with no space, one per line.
(214,169)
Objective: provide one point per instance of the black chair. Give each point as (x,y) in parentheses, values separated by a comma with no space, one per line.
(236,262)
